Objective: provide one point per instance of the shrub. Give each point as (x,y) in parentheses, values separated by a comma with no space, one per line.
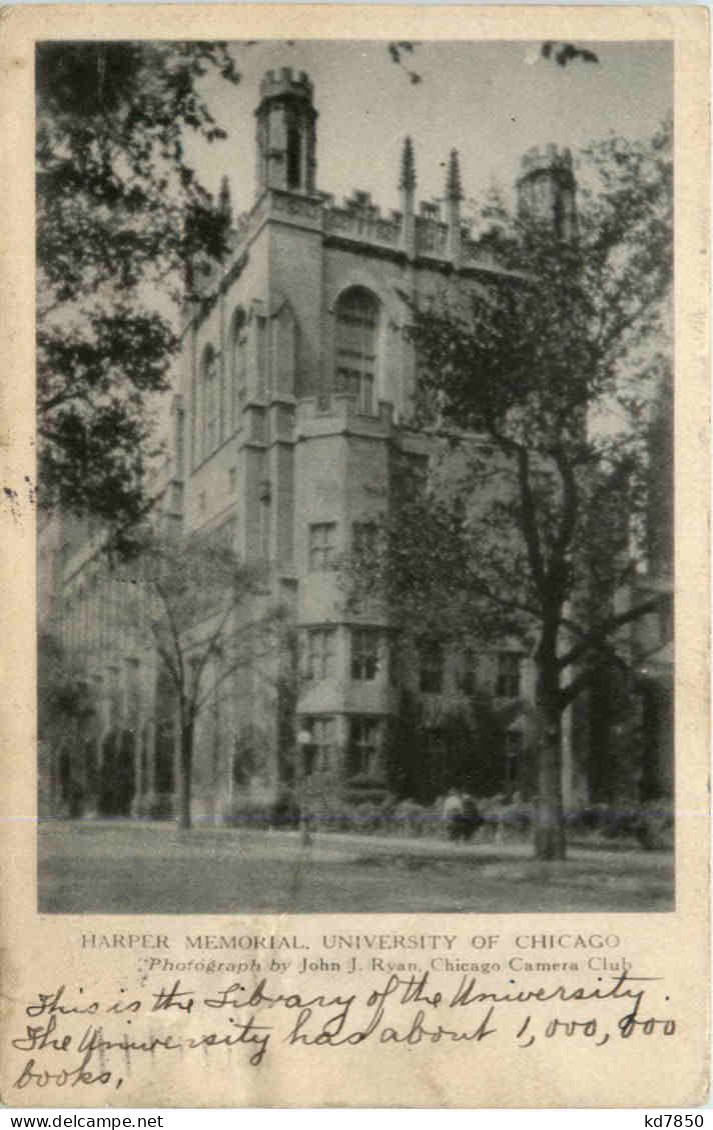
(285,811)
(365,811)
(410,818)
(655,825)
(649,824)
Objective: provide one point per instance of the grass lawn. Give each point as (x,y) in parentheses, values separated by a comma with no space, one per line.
(132,867)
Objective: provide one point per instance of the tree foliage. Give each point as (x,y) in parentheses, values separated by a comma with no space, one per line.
(537,387)
(120,214)
(67,706)
(65,696)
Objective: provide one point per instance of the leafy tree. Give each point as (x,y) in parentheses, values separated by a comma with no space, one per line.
(197,611)
(64,694)
(121,214)
(125,231)
(539,385)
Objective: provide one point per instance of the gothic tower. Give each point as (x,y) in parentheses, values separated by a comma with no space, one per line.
(286,132)
(547,189)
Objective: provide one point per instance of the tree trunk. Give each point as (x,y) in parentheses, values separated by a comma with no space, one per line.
(549,823)
(184,795)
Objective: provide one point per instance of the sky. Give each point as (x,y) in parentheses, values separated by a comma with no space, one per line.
(489,100)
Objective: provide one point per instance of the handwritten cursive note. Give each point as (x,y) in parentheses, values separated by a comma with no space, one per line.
(72,1040)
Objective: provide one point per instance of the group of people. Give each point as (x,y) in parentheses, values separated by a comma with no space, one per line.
(460,816)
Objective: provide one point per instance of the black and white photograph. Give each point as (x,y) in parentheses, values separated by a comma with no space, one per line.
(355,522)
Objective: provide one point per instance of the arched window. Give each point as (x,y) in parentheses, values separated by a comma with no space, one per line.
(283,341)
(238,367)
(82,618)
(195,419)
(357,325)
(210,401)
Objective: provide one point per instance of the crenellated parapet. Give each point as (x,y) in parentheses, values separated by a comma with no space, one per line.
(547,158)
(432,230)
(359,218)
(286,81)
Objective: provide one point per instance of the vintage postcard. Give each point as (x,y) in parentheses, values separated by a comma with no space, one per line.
(355,588)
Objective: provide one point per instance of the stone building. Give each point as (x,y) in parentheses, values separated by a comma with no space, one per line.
(289,419)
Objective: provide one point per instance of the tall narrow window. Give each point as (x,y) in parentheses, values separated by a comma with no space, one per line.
(261,352)
(364,747)
(294,156)
(357,323)
(470,671)
(507,684)
(319,657)
(322,546)
(165,734)
(265,519)
(238,368)
(513,759)
(114,694)
(195,420)
(101,613)
(431,667)
(319,754)
(210,402)
(395,660)
(81,617)
(132,693)
(365,653)
(283,351)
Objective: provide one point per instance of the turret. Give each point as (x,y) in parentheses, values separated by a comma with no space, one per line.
(286,132)
(547,190)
